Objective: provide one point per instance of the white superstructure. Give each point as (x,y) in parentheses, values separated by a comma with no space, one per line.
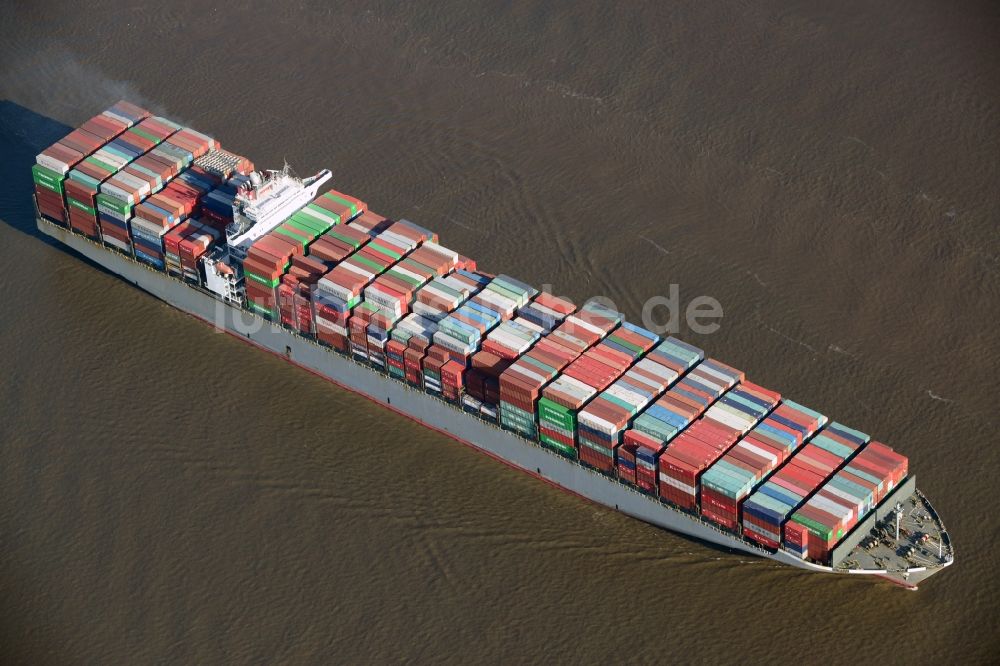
(265,201)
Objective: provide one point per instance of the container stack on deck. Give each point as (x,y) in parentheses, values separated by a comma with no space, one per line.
(462,332)
(102,171)
(767,509)
(126,179)
(705,441)
(679,357)
(394,290)
(335,294)
(661,422)
(157,172)
(434,302)
(602,421)
(596,367)
(727,483)
(522,382)
(265,263)
(846,498)
(53,165)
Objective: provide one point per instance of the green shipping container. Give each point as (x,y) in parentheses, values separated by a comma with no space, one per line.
(636,349)
(350,242)
(343,202)
(110,168)
(84,207)
(83,178)
(364,261)
(262,280)
(301,241)
(820,530)
(375,245)
(556,414)
(47,178)
(143,133)
(114,204)
(260,309)
(319,212)
(557,445)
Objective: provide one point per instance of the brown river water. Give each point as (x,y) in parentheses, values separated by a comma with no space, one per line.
(827,171)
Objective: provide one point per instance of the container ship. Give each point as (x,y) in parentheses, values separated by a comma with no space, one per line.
(575,395)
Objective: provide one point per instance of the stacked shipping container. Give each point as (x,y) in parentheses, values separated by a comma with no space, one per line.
(727,483)
(699,446)
(639,448)
(767,509)
(600,424)
(673,412)
(521,383)
(595,367)
(124,180)
(846,498)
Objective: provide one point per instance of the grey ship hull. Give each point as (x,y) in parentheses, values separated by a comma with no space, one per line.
(432,412)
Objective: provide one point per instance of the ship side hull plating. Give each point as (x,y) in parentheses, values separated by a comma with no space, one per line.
(421,407)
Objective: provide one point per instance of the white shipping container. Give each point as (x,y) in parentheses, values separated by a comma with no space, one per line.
(651,366)
(50,162)
(831,507)
(323,218)
(358,270)
(644,382)
(521,331)
(112,190)
(857,502)
(337,291)
(574,387)
(153,229)
(528,370)
(110,158)
(514,344)
(381,298)
(402,270)
(117,243)
(680,485)
(429,312)
(596,423)
(752,420)
(535,330)
(631,397)
(723,377)
(712,383)
(557,316)
(759,451)
(132,181)
(573,320)
(115,117)
(402,242)
(450,254)
(453,344)
(495,301)
(727,419)
(520,299)
(457,285)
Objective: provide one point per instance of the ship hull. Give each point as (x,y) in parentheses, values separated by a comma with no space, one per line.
(428,410)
